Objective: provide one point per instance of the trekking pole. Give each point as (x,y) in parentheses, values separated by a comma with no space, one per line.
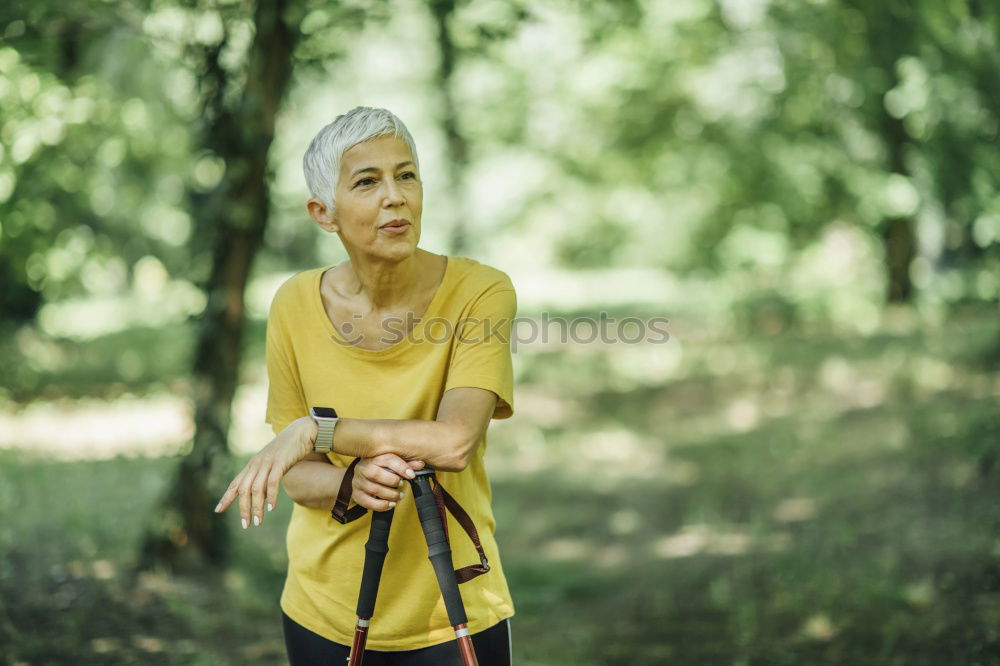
(439,553)
(375,551)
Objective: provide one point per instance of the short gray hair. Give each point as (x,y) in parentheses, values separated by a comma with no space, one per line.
(321,162)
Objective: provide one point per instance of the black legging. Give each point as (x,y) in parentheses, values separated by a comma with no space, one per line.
(306,648)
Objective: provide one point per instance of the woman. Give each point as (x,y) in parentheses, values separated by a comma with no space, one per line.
(412,350)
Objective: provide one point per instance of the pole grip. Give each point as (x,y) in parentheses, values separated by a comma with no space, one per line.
(438,550)
(376,549)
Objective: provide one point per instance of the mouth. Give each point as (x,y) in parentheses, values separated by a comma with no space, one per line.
(395,227)
(395,224)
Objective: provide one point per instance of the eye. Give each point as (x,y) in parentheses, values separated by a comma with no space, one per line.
(364,182)
(408,175)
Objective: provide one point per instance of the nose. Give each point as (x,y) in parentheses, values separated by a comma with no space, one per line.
(393,194)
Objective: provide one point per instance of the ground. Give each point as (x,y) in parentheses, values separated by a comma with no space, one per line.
(796,497)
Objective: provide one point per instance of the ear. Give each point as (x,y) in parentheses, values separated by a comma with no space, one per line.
(324,218)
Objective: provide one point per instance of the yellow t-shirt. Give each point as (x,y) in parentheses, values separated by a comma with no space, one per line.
(462,340)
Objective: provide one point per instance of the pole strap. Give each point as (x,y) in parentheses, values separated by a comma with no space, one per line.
(340,512)
(445,502)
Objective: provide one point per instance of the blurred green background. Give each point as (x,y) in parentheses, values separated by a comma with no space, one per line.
(809,190)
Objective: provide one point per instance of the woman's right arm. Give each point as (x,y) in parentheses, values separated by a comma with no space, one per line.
(310,481)
(314,482)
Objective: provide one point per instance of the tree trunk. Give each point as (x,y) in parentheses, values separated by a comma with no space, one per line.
(890,36)
(897,236)
(186,532)
(897,233)
(457,149)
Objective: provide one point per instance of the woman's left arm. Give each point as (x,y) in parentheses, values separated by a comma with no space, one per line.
(480,385)
(446,444)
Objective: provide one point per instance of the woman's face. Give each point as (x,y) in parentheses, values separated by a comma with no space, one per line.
(379,199)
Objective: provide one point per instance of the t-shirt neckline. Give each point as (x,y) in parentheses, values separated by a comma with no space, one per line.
(335,335)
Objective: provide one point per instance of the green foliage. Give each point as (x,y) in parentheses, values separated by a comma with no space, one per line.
(653,134)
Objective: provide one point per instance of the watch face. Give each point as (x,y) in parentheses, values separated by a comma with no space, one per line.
(324,412)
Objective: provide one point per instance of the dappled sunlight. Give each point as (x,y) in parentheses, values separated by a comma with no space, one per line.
(794,509)
(589,551)
(567,549)
(743,414)
(540,286)
(850,385)
(819,627)
(155,300)
(638,351)
(248,432)
(645,365)
(619,447)
(920,593)
(516,449)
(605,458)
(701,539)
(99,569)
(94,429)
(155,425)
(543,408)
(613,555)
(697,539)
(625,521)
(932,375)
(843,267)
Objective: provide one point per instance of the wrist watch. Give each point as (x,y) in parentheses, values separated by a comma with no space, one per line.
(326,420)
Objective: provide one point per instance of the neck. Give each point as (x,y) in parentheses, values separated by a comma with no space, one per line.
(386,285)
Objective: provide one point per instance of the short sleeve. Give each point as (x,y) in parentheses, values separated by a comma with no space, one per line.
(285,398)
(481,356)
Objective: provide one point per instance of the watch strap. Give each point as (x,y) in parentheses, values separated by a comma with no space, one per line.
(324,435)
(325,426)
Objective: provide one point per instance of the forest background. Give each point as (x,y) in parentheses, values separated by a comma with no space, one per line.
(805,471)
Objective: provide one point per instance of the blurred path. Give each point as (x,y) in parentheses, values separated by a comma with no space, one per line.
(156,425)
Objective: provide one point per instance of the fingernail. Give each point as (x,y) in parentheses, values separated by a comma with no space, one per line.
(244,521)
(410,474)
(256,521)
(270,507)
(402,496)
(392,505)
(218,507)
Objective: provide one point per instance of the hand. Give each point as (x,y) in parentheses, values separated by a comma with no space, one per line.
(258,482)
(378,481)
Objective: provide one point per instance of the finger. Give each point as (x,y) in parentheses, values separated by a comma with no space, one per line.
(245,493)
(380,483)
(416,464)
(258,489)
(380,473)
(231,492)
(398,467)
(387,492)
(228,496)
(387,477)
(273,482)
(364,468)
(372,502)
